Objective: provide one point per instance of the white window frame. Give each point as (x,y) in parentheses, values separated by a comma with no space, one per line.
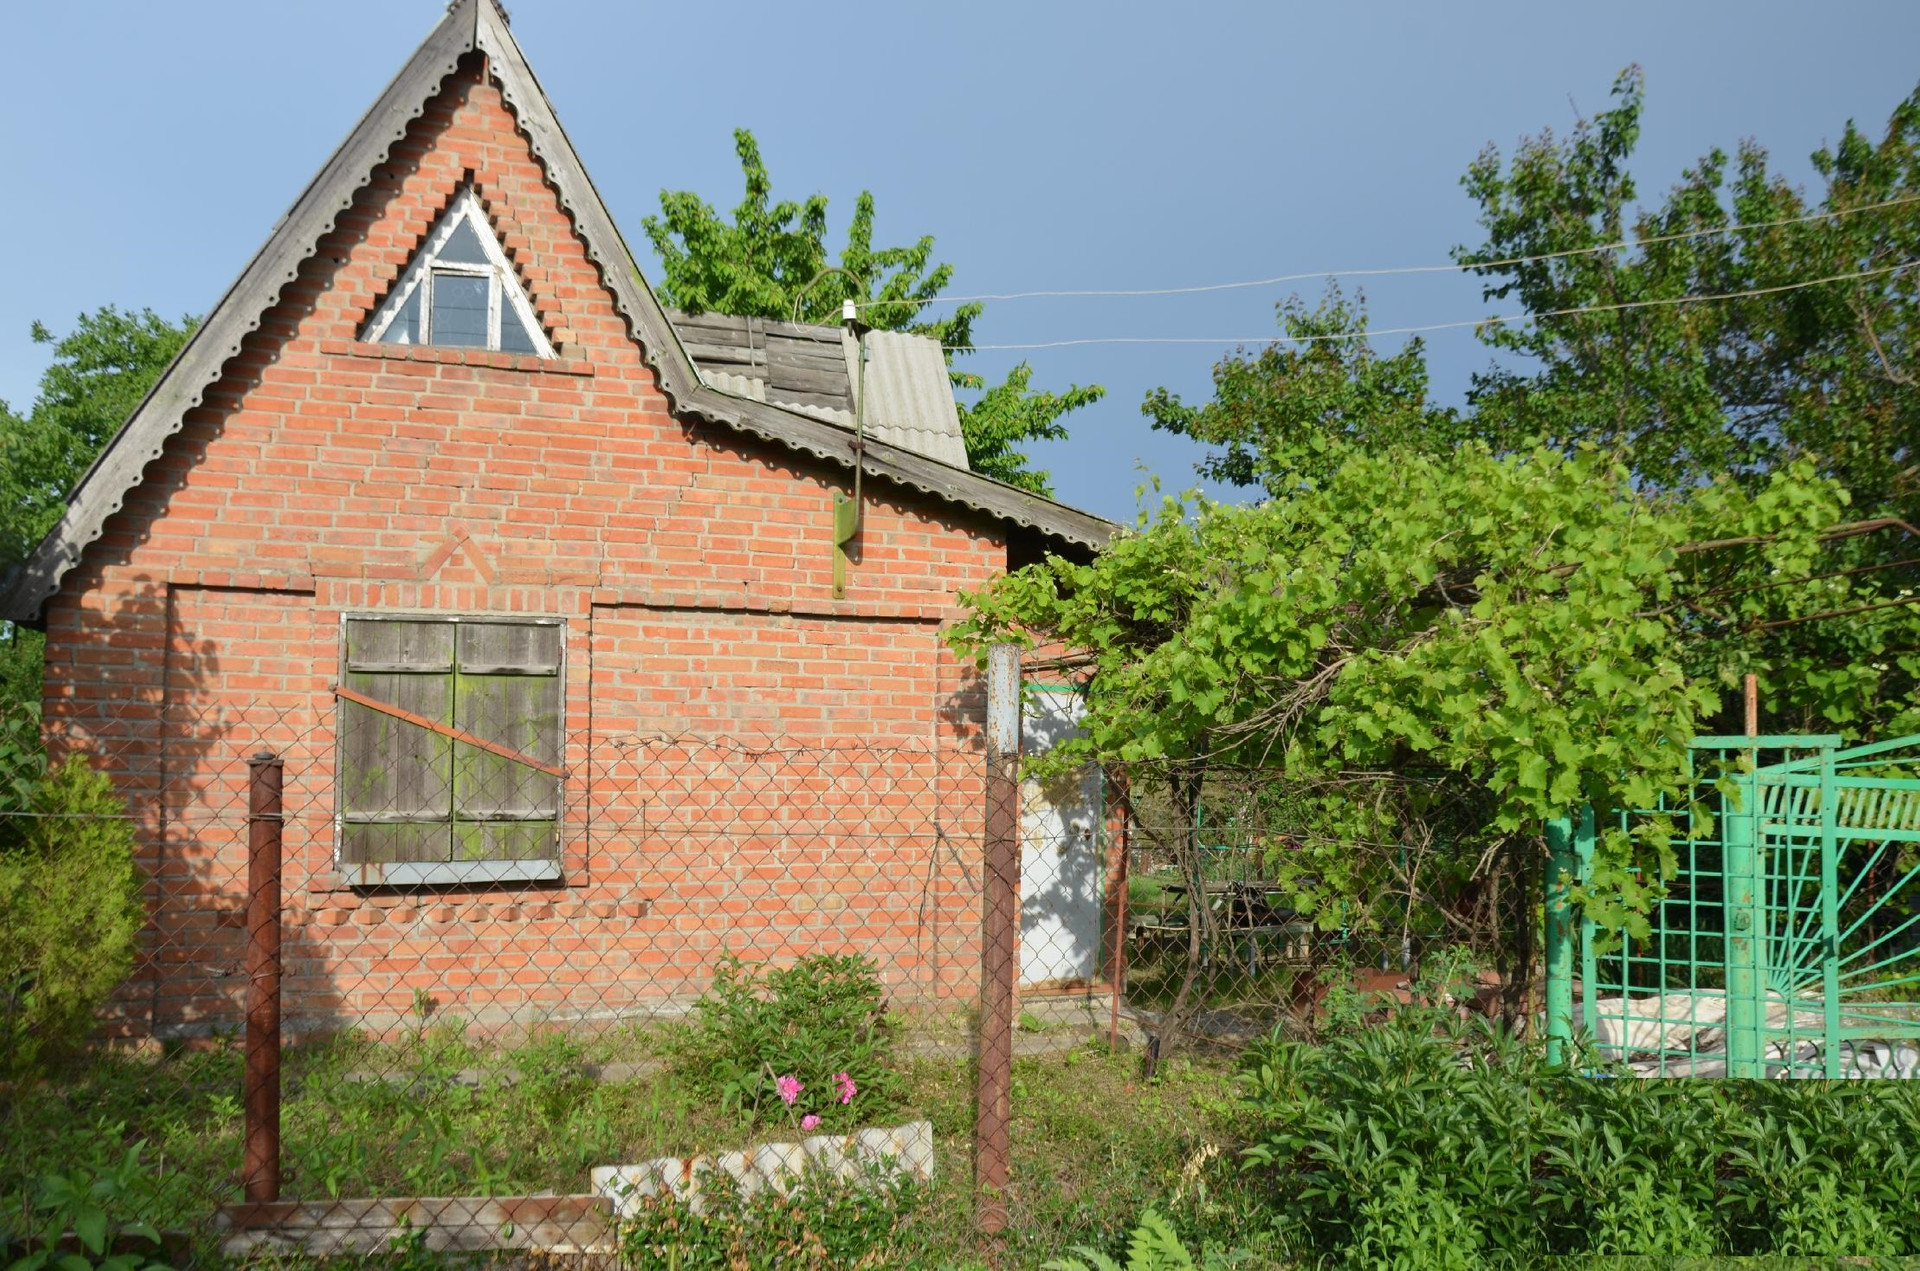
(504,288)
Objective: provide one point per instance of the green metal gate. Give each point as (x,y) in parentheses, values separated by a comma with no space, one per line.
(1787,942)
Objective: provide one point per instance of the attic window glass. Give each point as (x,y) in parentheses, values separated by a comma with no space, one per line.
(419,800)
(459,292)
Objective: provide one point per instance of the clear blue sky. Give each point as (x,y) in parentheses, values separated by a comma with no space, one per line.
(149,147)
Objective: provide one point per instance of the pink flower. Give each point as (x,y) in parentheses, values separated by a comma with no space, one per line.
(808,1121)
(789,1088)
(847,1088)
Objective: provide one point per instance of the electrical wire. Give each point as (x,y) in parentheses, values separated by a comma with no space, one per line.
(1450,268)
(1496,320)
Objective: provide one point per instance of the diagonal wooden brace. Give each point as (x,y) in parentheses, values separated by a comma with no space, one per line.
(445,730)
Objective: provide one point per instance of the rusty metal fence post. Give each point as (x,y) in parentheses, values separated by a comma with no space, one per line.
(261,1173)
(993,1110)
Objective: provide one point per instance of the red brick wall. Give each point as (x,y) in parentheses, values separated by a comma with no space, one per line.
(321,477)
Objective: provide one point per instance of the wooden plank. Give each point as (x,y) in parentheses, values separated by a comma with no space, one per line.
(532,840)
(387,708)
(520,715)
(820,357)
(907,468)
(708,321)
(802,330)
(469,1224)
(383,645)
(797,380)
(532,648)
(794,398)
(726,355)
(387,766)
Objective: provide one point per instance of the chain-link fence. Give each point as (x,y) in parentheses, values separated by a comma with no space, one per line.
(487,930)
(463,946)
(1255,901)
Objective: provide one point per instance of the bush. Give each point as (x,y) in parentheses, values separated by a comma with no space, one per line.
(1433,1142)
(70,907)
(759,1028)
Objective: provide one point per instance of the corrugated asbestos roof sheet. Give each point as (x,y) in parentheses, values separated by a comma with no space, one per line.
(909,393)
(479,26)
(910,397)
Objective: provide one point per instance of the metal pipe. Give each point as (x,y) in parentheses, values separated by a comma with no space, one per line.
(993,1108)
(261,1173)
(1120,919)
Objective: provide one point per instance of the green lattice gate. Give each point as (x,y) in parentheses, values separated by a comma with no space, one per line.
(1787,943)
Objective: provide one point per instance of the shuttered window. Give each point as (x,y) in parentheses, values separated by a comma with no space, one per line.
(450,740)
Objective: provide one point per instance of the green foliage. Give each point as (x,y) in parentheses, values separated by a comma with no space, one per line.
(1693,390)
(1152,1246)
(70,907)
(99,1211)
(821,1222)
(771,261)
(100,372)
(1612,360)
(1512,620)
(1007,414)
(1433,1142)
(824,1015)
(440,1112)
(773,254)
(1289,413)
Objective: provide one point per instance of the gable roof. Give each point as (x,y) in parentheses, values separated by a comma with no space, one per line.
(480,26)
(812,369)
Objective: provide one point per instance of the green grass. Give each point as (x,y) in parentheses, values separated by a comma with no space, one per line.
(444,1114)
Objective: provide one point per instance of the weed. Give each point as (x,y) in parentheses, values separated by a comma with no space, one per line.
(102,1210)
(820,1222)
(1429,1141)
(812,1022)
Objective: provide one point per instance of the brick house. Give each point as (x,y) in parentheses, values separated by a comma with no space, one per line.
(535,587)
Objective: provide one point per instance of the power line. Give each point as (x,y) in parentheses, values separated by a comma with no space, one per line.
(1451,268)
(1497,320)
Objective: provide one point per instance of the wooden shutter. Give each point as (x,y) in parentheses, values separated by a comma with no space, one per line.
(396,778)
(508,692)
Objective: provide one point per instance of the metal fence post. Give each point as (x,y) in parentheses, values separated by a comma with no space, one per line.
(1562,870)
(1745,899)
(1746,1009)
(261,1174)
(993,1110)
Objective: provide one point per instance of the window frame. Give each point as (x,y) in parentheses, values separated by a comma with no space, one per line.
(449,873)
(503,288)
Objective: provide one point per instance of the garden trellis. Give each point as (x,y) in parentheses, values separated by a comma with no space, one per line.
(1787,940)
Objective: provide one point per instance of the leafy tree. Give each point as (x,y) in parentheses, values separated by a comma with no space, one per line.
(1615,354)
(1007,414)
(1517,621)
(1693,389)
(100,372)
(771,261)
(1281,413)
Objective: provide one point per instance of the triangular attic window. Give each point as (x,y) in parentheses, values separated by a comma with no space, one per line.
(459,292)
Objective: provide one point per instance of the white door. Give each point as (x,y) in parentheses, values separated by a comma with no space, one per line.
(1061,874)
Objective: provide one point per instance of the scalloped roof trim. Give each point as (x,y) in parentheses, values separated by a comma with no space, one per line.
(469,26)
